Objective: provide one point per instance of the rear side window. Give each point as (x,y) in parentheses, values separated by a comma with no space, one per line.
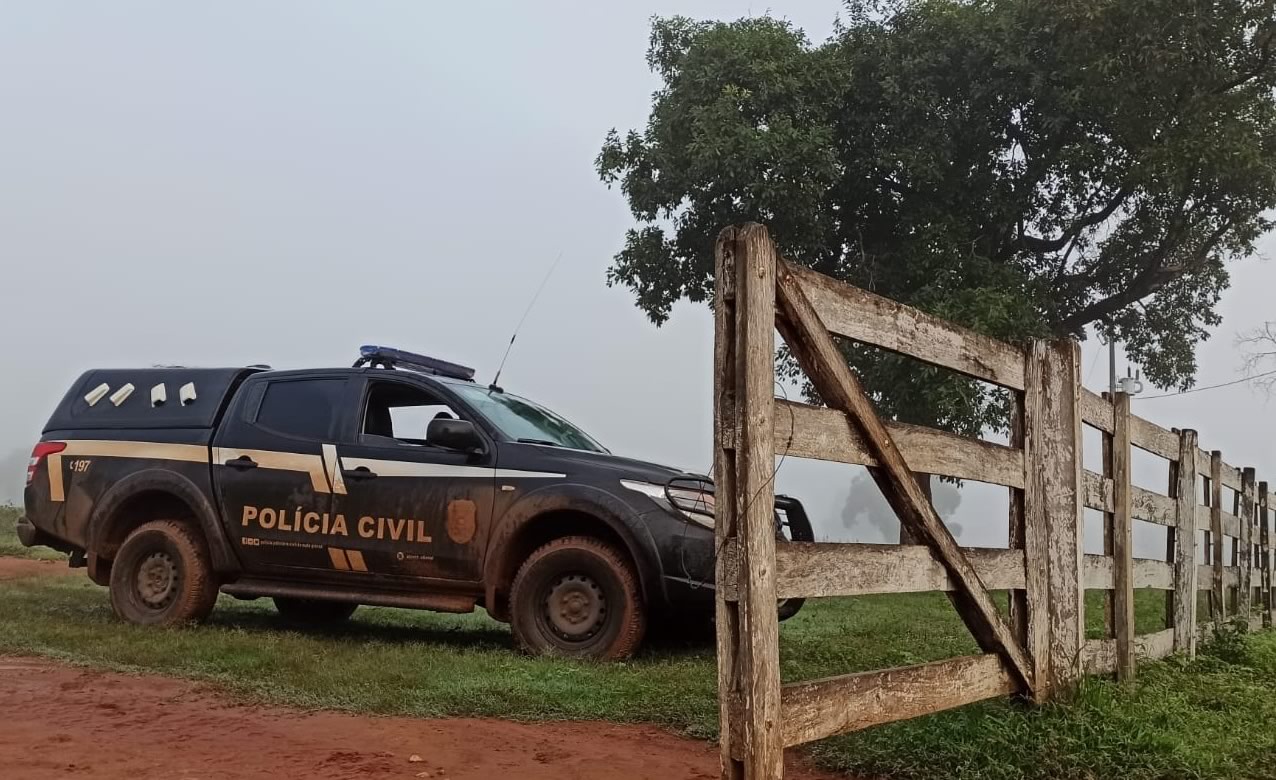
(305,408)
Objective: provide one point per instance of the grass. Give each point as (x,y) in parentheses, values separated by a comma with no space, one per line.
(1215,717)
(9,544)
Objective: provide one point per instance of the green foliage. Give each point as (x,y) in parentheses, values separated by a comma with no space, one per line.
(1025,169)
(9,544)
(1209,719)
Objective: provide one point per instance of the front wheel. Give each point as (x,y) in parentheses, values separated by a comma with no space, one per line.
(577,597)
(162,576)
(313,612)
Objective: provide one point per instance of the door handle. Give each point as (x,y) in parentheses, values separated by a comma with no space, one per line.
(243,463)
(363,472)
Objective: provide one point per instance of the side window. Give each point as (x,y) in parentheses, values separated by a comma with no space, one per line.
(401,412)
(304,408)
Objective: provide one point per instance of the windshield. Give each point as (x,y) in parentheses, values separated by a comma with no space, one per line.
(523,420)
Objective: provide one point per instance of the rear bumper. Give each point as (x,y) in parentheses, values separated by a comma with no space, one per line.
(32,536)
(28,534)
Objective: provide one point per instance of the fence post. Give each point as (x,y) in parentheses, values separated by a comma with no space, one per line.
(750,666)
(1264,556)
(1122,540)
(1185,547)
(1218,594)
(1245,593)
(1054,504)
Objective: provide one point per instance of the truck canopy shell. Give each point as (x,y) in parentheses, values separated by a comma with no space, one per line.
(158,398)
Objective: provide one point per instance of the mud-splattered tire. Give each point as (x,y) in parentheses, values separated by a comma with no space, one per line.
(312,612)
(577,597)
(162,576)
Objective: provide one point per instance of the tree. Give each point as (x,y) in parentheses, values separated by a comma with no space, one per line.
(1259,347)
(1025,169)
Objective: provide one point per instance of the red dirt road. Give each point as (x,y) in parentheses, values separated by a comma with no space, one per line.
(17,568)
(64,722)
(58,721)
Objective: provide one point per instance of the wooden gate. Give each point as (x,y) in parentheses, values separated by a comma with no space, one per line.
(1041,647)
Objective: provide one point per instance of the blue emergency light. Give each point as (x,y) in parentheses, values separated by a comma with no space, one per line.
(389,357)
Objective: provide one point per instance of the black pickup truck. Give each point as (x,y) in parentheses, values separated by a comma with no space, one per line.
(397,482)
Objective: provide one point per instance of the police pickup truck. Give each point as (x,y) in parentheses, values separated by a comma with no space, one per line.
(399,482)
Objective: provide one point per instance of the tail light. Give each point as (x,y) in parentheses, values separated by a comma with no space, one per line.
(42,450)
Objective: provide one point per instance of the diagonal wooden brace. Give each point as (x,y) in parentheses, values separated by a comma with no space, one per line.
(817,353)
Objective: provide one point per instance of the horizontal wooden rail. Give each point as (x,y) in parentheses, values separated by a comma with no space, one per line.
(862,316)
(821,708)
(1096,410)
(813,570)
(1205,576)
(1145,504)
(1152,438)
(1231,523)
(1098,573)
(1229,476)
(806,431)
(1099,655)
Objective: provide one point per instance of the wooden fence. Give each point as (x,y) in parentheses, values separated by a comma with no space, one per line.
(1041,648)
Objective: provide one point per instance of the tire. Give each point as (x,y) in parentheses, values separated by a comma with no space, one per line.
(313,612)
(798,527)
(162,576)
(577,597)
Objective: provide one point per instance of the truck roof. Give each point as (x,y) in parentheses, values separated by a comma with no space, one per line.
(146,398)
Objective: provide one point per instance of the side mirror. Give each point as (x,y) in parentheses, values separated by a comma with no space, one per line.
(457,435)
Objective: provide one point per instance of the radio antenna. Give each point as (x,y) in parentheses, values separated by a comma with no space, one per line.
(519,326)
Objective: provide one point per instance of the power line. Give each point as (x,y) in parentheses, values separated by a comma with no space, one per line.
(1210,387)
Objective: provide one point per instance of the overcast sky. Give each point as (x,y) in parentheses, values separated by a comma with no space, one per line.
(232,183)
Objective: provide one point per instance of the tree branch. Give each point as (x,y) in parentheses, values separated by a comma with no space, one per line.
(1045,245)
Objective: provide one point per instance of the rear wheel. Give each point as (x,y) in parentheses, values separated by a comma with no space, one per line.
(578,597)
(313,612)
(162,576)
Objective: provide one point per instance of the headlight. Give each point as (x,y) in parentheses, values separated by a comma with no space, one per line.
(691,498)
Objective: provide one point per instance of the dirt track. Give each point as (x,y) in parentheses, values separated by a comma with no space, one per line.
(62,721)
(16,568)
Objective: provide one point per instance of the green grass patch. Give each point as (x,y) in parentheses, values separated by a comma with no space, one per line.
(9,544)
(1212,718)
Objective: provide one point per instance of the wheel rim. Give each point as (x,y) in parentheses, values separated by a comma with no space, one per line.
(157,580)
(575,608)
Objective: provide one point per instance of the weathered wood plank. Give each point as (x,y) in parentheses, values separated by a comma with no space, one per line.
(1210,576)
(1151,506)
(1158,644)
(1096,572)
(1231,477)
(1018,531)
(1152,438)
(815,351)
(837,705)
(1218,602)
(813,570)
(756,682)
(1231,524)
(1245,541)
(1122,539)
(1096,411)
(871,319)
(1185,546)
(806,431)
(1054,465)
(1098,491)
(1099,655)
(727,618)
(1264,555)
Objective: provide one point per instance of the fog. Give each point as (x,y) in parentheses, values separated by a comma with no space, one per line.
(213,184)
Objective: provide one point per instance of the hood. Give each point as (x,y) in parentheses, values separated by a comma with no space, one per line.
(580,462)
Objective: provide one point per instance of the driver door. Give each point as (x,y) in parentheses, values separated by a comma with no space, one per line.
(414,510)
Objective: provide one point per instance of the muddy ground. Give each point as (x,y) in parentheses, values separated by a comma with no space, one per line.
(63,722)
